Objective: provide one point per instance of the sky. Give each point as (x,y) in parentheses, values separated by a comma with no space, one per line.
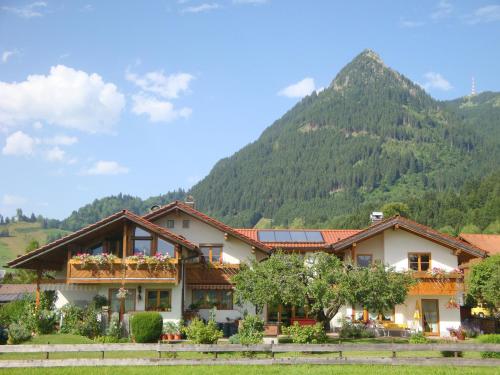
(98,98)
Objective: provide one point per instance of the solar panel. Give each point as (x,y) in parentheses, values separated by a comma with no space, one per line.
(291,236)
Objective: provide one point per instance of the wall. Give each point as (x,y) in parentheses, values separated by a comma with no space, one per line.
(373,246)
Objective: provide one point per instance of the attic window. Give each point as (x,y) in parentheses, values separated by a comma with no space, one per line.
(170,224)
(142,242)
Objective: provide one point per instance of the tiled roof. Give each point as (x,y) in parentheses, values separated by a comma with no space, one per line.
(486,242)
(207,219)
(329,235)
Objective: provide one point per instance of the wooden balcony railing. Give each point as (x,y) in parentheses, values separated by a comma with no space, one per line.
(122,270)
(427,284)
(215,274)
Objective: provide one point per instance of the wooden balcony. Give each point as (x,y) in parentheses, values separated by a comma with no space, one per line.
(121,270)
(427,284)
(210,274)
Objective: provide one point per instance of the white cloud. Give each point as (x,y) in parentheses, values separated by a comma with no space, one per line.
(32,10)
(6,55)
(55,154)
(156,82)
(66,97)
(107,168)
(63,140)
(13,200)
(410,24)
(443,9)
(158,110)
(436,81)
(205,7)
(254,2)
(37,125)
(299,89)
(486,14)
(19,144)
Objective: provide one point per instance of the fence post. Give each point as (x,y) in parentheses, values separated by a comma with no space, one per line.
(47,353)
(272,351)
(102,354)
(340,351)
(159,349)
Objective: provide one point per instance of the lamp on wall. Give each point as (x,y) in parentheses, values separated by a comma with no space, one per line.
(139,290)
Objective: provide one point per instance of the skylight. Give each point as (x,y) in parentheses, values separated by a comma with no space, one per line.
(292,236)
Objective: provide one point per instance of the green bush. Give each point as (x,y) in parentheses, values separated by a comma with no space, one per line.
(72,316)
(251,330)
(235,339)
(354,330)
(306,334)
(18,333)
(45,321)
(99,301)
(12,312)
(114,329)
(489,339)
(4,335)
(418,338)
(146,326)
(89,326)
(201,333)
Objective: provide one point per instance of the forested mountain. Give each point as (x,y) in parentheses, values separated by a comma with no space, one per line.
(372,137)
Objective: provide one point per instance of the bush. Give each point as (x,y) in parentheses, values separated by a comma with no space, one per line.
(201,333)
(489,339)
(235,339)
(114,330)
(418,338)
(306,334)
(12,312)
(18,333)
(4,335)
(251,330)
(354,330)
(146,326)
(89,326)
(45,321)
(99,301)
(72,315)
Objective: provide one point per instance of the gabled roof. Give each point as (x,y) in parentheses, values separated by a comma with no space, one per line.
(188,210)
(120,215)
(329,235)
(413,227)
(486,242)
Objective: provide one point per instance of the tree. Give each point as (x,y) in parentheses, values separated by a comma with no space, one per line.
(470,228)
(395,208)
(32,245)
(484,281)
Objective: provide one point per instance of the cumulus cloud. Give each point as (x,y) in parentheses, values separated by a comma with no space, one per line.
(205,7)
(410,24)
(63,140)
(103,167)
(13,200)
(158,110)
(436,81)
(55,154)
(486,14)
(65,97)
(166,86)
(6,55)
(254,2)
(19,144)
(32,10)
(443,9)
(299,89)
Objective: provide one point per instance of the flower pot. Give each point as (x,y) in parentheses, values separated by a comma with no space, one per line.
(170,336)
(177,336)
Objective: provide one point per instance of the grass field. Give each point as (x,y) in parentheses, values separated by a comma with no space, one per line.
(20,235)
(257,370)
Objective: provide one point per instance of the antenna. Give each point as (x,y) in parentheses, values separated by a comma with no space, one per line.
(473,89)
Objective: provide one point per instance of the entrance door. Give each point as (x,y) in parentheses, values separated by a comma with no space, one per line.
(430,317)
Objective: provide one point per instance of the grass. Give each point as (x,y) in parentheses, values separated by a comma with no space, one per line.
(256,370)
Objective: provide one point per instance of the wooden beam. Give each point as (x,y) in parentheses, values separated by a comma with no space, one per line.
(125,240)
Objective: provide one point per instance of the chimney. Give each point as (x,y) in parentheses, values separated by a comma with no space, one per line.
(376,217)
(190,201)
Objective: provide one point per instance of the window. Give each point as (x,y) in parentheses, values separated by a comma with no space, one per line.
(142,242)
(158,300)
(207,299)
(364,260)
(185,223)
(96,249)
(114,302)
(419,262)
(170,223)
(165,248)
(212,253)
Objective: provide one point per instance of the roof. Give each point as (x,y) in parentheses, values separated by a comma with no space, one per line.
(329,235)
(187,209)
(413,227)
(12,292)
(486,242)
(120,215)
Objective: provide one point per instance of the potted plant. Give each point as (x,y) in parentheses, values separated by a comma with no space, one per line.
(169,329)
(178,328)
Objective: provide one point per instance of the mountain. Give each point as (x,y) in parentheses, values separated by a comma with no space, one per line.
(371,137)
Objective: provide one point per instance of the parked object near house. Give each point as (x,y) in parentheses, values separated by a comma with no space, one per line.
(179,262)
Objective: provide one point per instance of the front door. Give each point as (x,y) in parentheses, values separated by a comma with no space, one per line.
(430,317)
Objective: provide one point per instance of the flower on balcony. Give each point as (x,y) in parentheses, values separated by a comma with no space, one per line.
(441,273)
(100,260)
(154,263)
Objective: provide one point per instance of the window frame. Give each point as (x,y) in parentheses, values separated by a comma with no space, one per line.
(419,261)
(170,221)
(219,293)
(210,253)
(146,299)
(365,255)
(150,238)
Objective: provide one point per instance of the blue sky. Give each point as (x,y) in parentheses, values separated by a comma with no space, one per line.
(98,98)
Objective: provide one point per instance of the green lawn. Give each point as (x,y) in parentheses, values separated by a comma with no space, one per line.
(256,370)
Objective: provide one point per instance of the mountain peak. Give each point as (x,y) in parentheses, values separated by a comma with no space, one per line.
(370,54)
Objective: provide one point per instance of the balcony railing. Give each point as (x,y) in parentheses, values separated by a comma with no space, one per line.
(437,283)
(211,273)
(122,270)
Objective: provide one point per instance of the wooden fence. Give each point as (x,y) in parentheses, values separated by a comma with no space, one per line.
(270,349)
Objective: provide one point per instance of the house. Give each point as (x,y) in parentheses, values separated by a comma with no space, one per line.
(175,259)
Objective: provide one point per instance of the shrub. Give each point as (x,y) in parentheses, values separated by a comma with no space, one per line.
(99,301)
(489,339)
(418,338)
(251,330)
(18,333)
(45,321)
(12,311)
(4,335)
(89,326)
(72,315)
(201,333)
(114,328)
(354,330)
(306,334)
(234,339)
(146,326)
